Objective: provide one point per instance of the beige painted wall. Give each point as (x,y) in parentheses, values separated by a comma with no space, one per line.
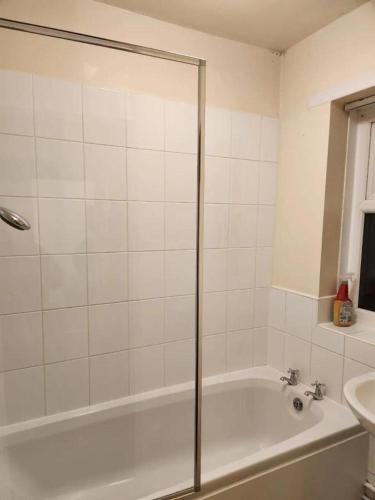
(239,76)
(340,52)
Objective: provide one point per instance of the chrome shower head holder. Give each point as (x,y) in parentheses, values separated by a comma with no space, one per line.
(13,219)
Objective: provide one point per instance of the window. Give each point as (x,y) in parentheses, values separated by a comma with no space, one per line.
(358,234)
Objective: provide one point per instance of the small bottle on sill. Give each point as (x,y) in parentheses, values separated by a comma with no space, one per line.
(343,306)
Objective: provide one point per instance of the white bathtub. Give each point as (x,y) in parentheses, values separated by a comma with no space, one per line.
(142,446)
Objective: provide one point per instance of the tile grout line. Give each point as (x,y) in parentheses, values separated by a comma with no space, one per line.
(126,177)
(39,255)
(165,245)
(229,211)
(86,243)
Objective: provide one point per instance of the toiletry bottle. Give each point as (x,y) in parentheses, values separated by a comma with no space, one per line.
(343,306)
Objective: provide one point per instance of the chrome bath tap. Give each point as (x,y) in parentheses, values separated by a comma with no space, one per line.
(319,392)
(293,379)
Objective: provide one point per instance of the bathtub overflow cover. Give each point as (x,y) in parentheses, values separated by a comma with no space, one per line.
(298,405)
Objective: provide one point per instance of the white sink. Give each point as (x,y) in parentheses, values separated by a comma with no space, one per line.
(360,394)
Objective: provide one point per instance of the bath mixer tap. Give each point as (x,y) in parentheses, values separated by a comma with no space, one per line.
(319,392)
(293,379)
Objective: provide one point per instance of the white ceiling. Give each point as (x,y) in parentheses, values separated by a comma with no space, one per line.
(274,24)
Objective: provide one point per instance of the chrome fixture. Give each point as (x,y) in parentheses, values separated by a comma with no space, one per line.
(293,379)
(13,219)
(319,391)
(297,404)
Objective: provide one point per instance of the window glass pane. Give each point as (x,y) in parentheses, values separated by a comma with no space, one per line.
(367,282)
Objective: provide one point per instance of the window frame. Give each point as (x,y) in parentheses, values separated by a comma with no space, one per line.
(361,136)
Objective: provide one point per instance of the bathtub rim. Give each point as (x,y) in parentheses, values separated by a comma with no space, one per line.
(115,408)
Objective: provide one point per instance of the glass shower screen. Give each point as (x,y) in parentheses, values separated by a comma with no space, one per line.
(99,152)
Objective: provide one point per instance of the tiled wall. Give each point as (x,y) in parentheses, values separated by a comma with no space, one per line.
(241,169)
(96,301)
(326,353)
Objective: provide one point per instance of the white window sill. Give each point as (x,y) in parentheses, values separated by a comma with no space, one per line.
(361,330)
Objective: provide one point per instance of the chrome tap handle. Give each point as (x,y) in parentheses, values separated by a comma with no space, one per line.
(293,379)
(318,385)
(320,390)
(293,371)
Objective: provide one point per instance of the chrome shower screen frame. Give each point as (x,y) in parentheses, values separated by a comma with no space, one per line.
(201,66)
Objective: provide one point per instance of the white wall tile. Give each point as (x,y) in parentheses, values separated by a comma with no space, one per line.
(180,177)
(261,304)
(146,275)
(327,368)
(105,171)
(181,122)
(16,103)
(263,267)
(109,329)
(217,179)
(20,284)
(180,226)
(146,369)
(241,268)
(215,270)
(213,355)
(60,168)
(103,116)
(266,216)
(214,313)
(67,385)
(216,223)
(360,351)
(245,135)
(218,132)
(20,242)
(180,272)
(277,309)
(276,348)
(270,131)
(109,377)
(21,341)
(179,318)
(145,226)
(244,181)
(145,122)
(242,225)
(145,170)
(64,279)
(146,322)
(299,311)
(322,310)
(179,362)
(240,304)
(58,108)
(65,334)
(239,350)
(17,166)
(62,226)
(24,394)
(267,183)
(298,356)
(354,369)
(107,277)
(328,339)
(260,341)
(106,226)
